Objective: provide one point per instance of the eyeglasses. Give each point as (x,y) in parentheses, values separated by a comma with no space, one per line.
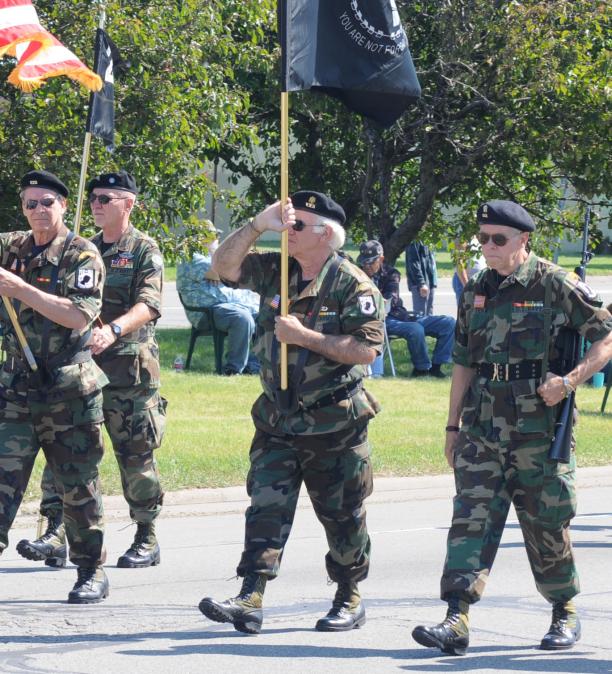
(300,224)
(498,239)
(47,202)
(103,198)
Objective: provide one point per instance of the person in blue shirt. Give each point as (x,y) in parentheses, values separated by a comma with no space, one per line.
(234,310)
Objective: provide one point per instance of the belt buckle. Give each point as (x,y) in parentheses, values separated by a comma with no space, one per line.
(496,372)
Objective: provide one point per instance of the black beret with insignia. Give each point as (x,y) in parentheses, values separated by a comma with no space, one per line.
(44,179)
(121,180)
(508,213)
(319,203)
(369,251)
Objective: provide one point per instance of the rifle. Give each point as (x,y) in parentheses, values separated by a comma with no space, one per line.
(573,346)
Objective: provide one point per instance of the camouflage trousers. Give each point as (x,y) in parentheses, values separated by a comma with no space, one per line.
(489,477)
(135,420)
(70,435)
(336,470)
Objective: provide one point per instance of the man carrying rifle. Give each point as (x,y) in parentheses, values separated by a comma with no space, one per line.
(506,390)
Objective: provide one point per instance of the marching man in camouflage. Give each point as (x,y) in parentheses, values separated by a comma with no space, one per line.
(315,431)
(124,346)
(506,391)
(55,281)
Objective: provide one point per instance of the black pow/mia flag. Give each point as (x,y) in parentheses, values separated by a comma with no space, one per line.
(355,50)
(101,115)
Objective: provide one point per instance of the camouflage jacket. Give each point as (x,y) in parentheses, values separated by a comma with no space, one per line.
(353,307)
(69,370)
(506,324)
(134,273)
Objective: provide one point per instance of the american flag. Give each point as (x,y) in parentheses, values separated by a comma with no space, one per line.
(39,54)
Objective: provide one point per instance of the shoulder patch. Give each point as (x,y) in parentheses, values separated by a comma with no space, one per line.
(367,305)
(86,253)
(157,260)
(363,286)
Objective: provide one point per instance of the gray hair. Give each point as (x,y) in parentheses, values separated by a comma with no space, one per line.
(338,235)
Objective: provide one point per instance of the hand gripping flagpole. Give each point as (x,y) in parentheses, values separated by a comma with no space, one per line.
(27,352)
(86,150)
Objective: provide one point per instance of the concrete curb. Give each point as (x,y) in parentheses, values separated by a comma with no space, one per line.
(224,500)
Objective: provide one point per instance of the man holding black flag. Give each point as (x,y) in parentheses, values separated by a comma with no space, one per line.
(506,391)
(315,431)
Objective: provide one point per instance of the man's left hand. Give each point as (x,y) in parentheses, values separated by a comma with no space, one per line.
(288,329)
(552,391)
(101,339)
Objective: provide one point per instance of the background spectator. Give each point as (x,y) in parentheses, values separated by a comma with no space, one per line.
(422,277)
(234,310)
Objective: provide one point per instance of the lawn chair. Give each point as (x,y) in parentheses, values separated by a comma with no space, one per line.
(387,342)
(608,386)
(206,328)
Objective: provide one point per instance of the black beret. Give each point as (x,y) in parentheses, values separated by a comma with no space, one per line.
(500,212)
(319,203)
(44,179)
(121,180)
(369,251)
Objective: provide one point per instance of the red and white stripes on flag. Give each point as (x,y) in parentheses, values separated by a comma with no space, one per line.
(39,54)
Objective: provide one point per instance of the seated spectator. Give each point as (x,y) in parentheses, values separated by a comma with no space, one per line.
(411,326)
(234,310)
(467,268)
(422,277)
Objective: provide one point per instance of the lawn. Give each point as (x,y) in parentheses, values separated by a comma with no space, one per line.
(209,425)
(600,265)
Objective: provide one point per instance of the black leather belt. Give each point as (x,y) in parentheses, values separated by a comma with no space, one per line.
(337,396)
(527,369)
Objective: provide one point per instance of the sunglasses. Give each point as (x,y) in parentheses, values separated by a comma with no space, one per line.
(300,224)
(103,198)
(498,239)
(47,202)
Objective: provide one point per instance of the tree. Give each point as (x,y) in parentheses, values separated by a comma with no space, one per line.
(176,104)
(514,106)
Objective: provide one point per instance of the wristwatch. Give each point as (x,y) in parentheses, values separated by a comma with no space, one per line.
(116,330)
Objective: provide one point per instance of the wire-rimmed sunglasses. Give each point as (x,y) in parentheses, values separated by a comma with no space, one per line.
(103,198)
(499,240)
(300,224)
(47,202)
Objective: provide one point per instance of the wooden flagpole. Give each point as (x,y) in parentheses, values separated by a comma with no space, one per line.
(284,236)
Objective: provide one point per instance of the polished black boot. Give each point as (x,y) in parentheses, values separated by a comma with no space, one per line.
(50,547)
(91,586)
(244,611)
(564,630)
(347,611)
(452,635)
(144,551)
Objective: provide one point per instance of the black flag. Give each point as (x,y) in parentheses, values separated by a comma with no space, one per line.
(355,50)
(101,115)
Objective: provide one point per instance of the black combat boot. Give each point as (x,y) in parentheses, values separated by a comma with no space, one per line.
(436,371)
(564,630)
(144,551)
(452,635)
(50,547)
(91,586)
(243,611)
(347,611)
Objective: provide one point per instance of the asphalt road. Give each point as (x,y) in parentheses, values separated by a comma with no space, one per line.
(150,622)
(173,315)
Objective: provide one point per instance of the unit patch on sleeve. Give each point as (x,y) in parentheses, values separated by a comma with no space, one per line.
(367,304)
(86,279)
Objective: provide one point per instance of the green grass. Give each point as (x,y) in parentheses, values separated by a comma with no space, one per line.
(209,424)
(600,265)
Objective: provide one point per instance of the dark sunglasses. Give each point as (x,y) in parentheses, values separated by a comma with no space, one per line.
(102,198)
(498,239)
(47,202)
(300,224)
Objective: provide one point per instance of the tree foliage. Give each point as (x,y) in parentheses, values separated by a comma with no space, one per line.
(175,106)
(514,106)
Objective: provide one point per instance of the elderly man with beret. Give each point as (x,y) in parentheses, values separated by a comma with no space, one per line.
(316,430)
(507,386)
(55,280)
(124,346)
